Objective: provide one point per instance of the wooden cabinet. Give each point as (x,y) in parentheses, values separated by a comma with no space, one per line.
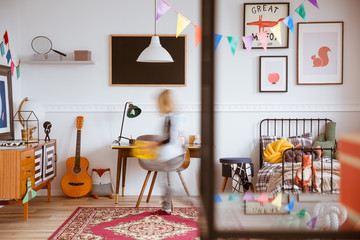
(35,161)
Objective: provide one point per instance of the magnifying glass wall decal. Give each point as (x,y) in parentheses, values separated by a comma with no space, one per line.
(43,45)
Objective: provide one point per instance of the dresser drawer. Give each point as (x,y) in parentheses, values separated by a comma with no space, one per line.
(27,157)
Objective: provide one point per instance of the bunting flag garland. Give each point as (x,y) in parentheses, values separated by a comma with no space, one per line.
(289,23)
(217,198)
(198,35)
(263,39)
(263,197)
(248,196)
(301,11)
(8,56)
(301,214)
(12,68)
(163,7)
(233,197)
(233,41)
(18,70)
(181,24)
(6,38)
(2,49)
(290,206)
(312,222)
(217,40)
(314,2)
(276,30)
(277,200)
(248,42)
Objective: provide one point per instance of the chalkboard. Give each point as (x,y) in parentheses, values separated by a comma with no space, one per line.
(124,70)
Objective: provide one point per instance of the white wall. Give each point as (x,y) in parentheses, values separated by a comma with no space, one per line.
(70,90)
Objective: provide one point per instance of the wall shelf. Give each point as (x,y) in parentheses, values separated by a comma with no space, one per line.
(57,62)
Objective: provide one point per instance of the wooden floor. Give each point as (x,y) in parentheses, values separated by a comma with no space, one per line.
(45,217)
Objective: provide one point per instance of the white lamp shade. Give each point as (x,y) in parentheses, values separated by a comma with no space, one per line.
(155,53)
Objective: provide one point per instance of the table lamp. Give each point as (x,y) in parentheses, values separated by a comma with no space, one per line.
(132,112)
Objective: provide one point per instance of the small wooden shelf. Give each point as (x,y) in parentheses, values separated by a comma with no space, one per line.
(57,62)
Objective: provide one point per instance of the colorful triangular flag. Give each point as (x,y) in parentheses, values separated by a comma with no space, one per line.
(289,22)
(248,42)
(314,2)
(163,7)
(18,71)
(233,41)
(181,24)
(263,198)
(290,206)
(2,49)
(30,194)
(217,198)
(233,196)
(198,35)
(276,30)
(301,214)
(8,56)
(12,68)
(6,38)
(277,200)
(301,11)
(312,222)
(263,39)
(217,40)
(248,196)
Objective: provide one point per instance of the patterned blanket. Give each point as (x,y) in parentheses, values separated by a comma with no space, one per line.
(269,178)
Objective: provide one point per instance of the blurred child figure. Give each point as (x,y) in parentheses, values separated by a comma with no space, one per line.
(171,153)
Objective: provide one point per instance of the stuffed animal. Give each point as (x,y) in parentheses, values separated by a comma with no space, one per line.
(306,174)
(101,183)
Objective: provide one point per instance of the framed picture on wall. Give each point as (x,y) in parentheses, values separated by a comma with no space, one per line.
(273,74)
(320,50)
(6,104)
(259,17)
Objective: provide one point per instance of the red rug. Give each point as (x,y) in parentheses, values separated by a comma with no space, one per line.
(129,223)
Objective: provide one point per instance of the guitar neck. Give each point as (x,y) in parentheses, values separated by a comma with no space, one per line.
(77,153)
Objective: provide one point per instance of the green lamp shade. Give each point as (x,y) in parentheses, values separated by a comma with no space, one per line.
(133,111)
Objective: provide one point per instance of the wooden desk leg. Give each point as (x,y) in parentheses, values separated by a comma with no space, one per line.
(124,174)
(49,191)
(26,210)
(118,173)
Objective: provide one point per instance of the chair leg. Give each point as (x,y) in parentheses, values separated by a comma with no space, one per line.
(143,189)
(224,184)
(183,183)
(151,187)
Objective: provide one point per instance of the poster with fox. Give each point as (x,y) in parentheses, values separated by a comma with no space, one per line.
(259,17)
(320,53)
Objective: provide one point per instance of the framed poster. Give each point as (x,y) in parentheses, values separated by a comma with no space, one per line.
(125,71)
(259,17)
(273,74)
(320,51)
(6,104)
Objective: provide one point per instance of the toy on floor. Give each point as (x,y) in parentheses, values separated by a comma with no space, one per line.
(306,172)
(101,183)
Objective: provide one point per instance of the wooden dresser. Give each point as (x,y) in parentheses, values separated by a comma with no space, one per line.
(36,161)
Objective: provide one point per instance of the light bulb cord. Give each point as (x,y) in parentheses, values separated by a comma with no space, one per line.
(155,17)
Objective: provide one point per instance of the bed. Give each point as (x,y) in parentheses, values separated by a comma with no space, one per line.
(308,166)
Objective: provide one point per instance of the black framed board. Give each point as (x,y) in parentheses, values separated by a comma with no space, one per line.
(124,70)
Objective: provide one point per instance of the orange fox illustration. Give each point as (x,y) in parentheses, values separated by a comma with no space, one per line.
(323,58)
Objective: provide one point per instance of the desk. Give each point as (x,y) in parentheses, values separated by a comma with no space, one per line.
(124,151)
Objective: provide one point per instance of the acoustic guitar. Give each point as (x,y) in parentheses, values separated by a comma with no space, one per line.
(77,182)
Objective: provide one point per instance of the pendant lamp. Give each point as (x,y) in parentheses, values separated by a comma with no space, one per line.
(155,53)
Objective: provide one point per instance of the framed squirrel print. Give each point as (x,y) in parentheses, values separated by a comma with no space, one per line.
(320,50)
(260,17)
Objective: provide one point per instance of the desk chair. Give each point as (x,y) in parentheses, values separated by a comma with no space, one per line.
(152,166)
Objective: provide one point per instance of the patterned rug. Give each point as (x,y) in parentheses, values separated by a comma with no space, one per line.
(129,223)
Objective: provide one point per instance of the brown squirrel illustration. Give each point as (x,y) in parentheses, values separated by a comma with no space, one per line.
(323,58)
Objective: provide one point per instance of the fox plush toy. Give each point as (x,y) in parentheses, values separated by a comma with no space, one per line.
(101,183)
(308,171)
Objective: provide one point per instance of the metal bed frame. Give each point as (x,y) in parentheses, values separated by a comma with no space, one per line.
(295,126)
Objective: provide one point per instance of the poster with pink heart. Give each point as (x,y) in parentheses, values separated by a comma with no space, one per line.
(273,74)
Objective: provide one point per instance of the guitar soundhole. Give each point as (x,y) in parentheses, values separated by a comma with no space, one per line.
(77,170)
